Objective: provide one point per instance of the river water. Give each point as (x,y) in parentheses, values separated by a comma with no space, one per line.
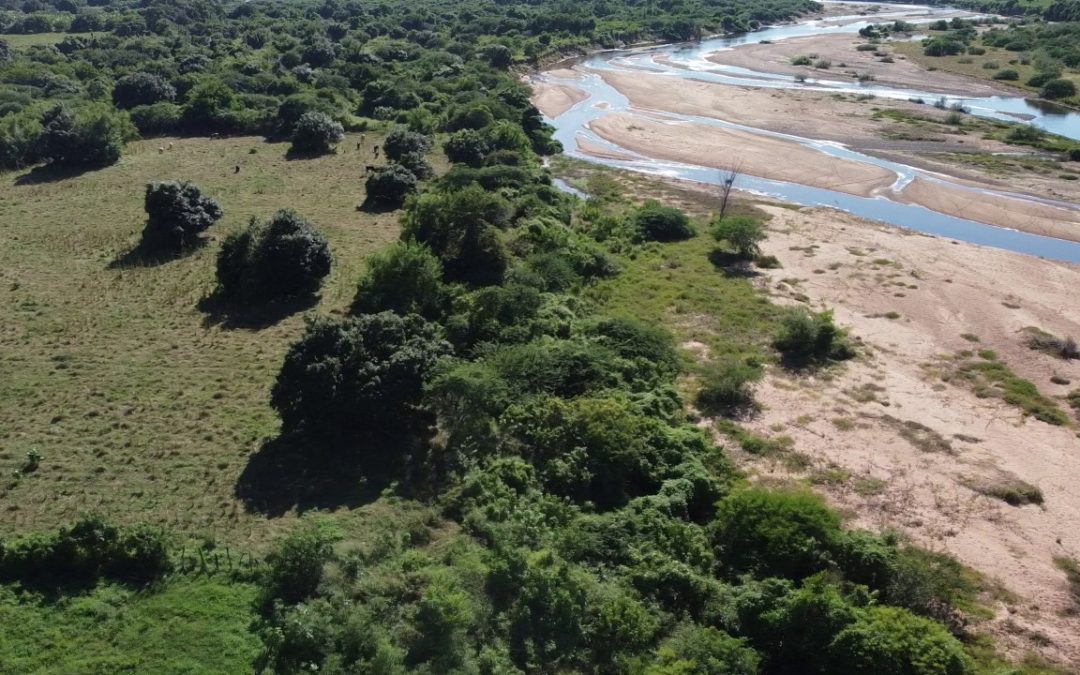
(688,62)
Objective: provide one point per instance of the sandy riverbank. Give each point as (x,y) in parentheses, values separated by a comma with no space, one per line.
(847,64)
(855,425)
(757,155)
(1017,214)
(555,99)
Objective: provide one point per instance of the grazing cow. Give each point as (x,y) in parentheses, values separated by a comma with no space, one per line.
(160,149)
(376,152)
(369,168)
(236,169)
(215,135)
(170,146)
(358,146)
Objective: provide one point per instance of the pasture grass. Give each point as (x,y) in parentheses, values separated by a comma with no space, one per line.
(191,626)
(142,408)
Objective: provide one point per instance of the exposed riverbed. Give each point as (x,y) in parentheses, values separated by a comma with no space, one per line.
(688,111)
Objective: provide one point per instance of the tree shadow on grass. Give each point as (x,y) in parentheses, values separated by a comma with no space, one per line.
(47,173)
(221,312)
(294,471)
(293,154)
(733,266)
(377,207)
(144,256)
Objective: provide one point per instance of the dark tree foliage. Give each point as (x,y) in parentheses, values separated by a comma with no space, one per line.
(401,141)
(316,133)
(80,555)
(389,185)
(176,213)
(1058,88)
(88,138)
(142,89)
(362,376)
(467,147)
(285,257)
(657,222)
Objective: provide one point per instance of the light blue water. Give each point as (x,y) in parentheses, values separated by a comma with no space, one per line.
(687,61)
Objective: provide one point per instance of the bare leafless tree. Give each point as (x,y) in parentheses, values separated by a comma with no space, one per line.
(728,176)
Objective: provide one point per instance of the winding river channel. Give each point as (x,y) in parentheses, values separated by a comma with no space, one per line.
(685,63)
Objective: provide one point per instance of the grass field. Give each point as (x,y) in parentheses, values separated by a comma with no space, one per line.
(192,626)
(19,40)
(143,408)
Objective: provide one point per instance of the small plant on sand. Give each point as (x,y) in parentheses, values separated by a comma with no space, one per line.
(806,338)
(726,389)
(1071,568)
(741,233)
(1040,340)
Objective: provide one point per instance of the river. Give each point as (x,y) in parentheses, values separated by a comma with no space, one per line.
(689,62)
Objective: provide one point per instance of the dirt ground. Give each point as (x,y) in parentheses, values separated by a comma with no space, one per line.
(911,301)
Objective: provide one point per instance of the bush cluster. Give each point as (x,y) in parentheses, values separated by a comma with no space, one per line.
(284,257)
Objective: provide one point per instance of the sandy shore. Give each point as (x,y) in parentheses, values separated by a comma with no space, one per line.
(555,99)
(721,148)
(1012,213)
(847,63)
(850,424)
(600,151)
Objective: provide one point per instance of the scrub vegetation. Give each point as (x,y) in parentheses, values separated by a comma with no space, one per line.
(486,401)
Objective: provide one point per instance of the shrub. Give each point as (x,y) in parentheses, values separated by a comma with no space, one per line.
(316,133)
(1008,75)
(294,567)
(401,142)
(742,233)
(282,258)
(806,338)
(1040,79)
(91,137)
(460,228)
(177,212)
(416,163)
(725,389)
(892,641)
(389,185)
(1059,88)
(142,89)
(89,550)
(405,279)
(651,348)
(19,144)
(703,650)
(775,533)
(801,61)
(359,376)
(466,147)
(157,119)
(940,46)
(656,222)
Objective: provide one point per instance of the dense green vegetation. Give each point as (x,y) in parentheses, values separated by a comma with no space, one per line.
(500,377)
(1041,57)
